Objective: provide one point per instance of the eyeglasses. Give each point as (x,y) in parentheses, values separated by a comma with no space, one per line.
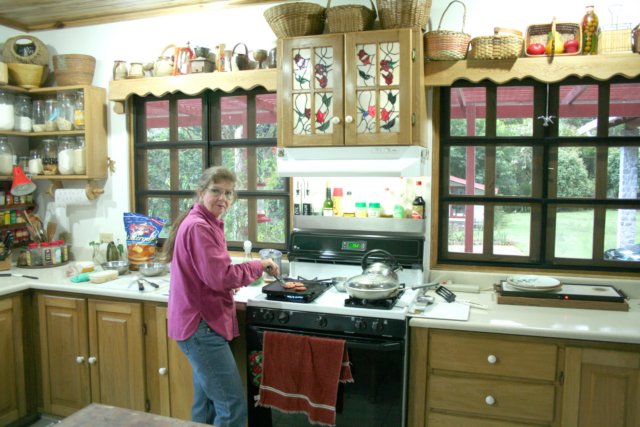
(217,193)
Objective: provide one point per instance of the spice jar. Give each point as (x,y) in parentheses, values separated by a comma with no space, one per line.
(6,156)
(65,155)
(590,32)
(79,159)
(35,162)
(50,115)
(78,111)
(22,109)
(66,111)
(6,110)
(38,116)
(49,157)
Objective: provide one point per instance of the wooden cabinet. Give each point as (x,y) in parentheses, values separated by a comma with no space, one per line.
(351,89)
(602,388)
(94,132)
(91,351)
(12,374)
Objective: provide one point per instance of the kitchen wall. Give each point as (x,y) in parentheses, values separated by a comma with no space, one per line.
(144,40)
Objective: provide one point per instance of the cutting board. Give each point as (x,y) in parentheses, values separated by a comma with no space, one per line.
(445,311)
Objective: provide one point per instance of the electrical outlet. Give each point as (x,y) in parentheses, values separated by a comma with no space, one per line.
(106,237)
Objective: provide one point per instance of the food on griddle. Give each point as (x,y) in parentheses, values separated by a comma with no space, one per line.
(292,284)
(300,288)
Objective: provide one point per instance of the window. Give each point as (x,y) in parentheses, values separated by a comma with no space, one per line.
(178,136)
(540,176)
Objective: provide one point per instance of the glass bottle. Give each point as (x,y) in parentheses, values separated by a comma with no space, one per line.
(66,146)
(66,111)
(35,162)
(419,204)
(79,159)
(6,156)
(49,157)
(327,207)
(7,115)
(38,116)
(348,207)
(590,32)
(78,111)
(50,115)
(22,109)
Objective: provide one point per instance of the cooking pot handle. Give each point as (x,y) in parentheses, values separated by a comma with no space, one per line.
(392,260)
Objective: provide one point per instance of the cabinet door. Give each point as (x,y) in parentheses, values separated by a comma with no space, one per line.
(116,356)
(64,351)
(602,388)
(310,103)
(176,384)
(12,382)
(378,88)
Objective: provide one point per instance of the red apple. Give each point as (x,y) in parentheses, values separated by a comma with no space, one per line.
(571,46)
(535,49)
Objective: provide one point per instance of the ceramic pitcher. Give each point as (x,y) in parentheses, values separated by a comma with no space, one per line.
(120,70)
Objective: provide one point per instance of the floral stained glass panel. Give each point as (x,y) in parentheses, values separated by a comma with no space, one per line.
(389,64)
(324,112)
(301,67)
(366,61)
(389,111)
(323,68)
(367,111)
(301,114)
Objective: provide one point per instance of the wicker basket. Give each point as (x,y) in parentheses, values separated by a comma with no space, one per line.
(74,69)
(28,76)
(4,74)
(404,13)
(568,31)
(498,46)
(32,52)
(615,41)
(635,33)
(296,19)
(349,18)
(444,45)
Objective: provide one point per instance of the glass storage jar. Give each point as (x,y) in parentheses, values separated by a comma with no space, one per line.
(6,110)
(78,111)
(79,159)
(22,110)
(35,162)
(50,115)
(6,156)
(65,155)
(66,111)
(38,117)
(50,157)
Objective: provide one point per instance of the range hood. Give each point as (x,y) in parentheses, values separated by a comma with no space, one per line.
(401,161)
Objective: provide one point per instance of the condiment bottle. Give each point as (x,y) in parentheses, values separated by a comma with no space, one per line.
(49,157)
(327,207)
(7,115)
(374,210)
(6,156)
(348,207)
(66,147)
(418,203)
(590,32)
(22,108)
(337,201)
(78,111)
(361,209)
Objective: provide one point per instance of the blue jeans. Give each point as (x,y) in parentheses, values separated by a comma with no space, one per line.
(218,392)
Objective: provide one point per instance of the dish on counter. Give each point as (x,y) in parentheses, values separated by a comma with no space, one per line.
(530,282)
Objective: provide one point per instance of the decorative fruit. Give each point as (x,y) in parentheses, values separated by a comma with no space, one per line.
(571,46)
(535,49)
(556,41)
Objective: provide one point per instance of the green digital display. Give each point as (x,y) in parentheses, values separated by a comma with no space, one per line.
(354,245)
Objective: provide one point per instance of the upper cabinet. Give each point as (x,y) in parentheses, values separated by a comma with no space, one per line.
(351,89)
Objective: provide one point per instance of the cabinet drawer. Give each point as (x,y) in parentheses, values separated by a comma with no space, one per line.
(492,355)
(447,420)
(534,402)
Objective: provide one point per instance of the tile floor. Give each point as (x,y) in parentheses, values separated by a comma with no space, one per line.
(46,421)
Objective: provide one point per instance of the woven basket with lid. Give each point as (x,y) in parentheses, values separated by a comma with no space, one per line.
(504,44)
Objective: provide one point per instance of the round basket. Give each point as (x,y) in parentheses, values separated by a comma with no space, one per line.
(349,18)
(295,19)
(404,13)
(498,46)
(25,49)
(74,69)
(444,45)
(27,76)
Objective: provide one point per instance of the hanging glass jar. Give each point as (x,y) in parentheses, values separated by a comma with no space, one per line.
(49,157)
(66,111)
(22,109)
(6,110)
(6,156)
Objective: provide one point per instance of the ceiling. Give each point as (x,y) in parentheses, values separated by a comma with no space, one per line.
(32,15)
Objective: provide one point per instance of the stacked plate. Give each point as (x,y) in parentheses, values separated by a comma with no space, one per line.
(529,282)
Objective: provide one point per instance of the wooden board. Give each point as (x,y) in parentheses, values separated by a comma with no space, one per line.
(96,415)
(559,303)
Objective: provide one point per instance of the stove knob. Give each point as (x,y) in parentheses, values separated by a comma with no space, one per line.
(267,315)
(321,321)
(377,325)
(360,324)
(283,317)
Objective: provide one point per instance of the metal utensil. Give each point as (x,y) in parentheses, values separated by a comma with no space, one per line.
(451,297)
(278,277)
(18,275)
(155,285)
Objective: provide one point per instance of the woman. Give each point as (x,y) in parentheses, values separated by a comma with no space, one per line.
(202,313)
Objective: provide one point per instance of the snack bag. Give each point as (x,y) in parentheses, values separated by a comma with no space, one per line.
(142,235)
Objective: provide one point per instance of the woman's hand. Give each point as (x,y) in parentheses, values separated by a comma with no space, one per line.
(270,267)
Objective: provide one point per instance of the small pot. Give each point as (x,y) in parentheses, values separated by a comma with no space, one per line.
(372,287)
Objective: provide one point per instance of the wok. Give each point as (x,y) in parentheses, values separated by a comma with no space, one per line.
(378,280)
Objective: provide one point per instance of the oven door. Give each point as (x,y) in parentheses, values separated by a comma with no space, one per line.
(375,398)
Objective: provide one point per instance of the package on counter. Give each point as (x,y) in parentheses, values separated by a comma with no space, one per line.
(142,235)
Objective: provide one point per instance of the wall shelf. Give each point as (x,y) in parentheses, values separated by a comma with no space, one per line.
(543,69)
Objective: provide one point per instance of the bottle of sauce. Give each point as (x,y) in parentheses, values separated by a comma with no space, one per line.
(348,207)
(418,205)
(337,202)
(327,206)
(590,32)
(361,209)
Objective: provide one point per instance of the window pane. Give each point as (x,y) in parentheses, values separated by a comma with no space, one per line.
(191,167)
(574,233)
(623,173)
(576,172)
(513,171)
(160,207)
(233,118)
(190,119)
(466,225)
(158,176)
(236,221)
(235,159)
(157,120)
(578,110)
(622,235)
(267,174)
(468,111)
(512,230)
(271,220)
(624,109)
(466,168)
(266,116)
(514,111)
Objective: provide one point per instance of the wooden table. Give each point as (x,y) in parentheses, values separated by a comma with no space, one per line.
(96,415)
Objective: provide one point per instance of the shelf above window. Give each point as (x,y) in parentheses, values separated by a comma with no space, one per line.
(543,69)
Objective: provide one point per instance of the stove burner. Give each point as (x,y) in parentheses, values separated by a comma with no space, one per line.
(315,288)
(385,303)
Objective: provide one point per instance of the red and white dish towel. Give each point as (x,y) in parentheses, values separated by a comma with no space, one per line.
(301,374)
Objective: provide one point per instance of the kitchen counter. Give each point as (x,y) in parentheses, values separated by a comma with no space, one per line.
(569,323)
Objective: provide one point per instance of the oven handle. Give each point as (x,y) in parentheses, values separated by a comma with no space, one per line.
(351,342)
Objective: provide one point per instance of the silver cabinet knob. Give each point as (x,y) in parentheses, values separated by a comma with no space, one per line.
(92,360)
(348,119)
(490,400)
(162,371)
(492,359)
(79,360)
(335,120)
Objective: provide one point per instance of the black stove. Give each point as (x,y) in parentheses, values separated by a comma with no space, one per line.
(384,304)
(313,289)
